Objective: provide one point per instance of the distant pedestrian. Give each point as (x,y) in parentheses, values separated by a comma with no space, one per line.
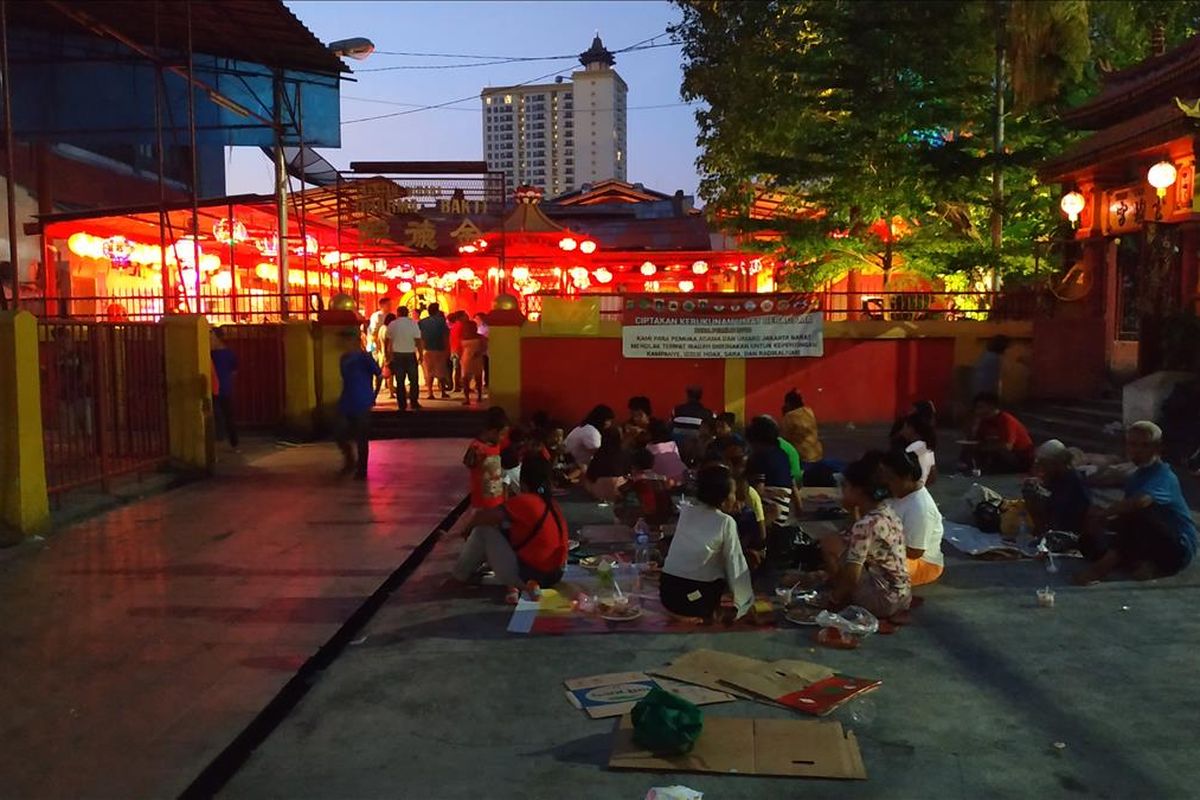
(435,334)
(378,320)
(225,368)
(457,329)
(361,381)
(472,354)
(404,347)
(484,331)
(989,366)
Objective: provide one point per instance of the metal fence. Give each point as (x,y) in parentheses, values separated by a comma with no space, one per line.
(148,307)
(259,388)
(104,401)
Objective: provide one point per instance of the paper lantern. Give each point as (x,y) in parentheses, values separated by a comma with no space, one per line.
(648,268)
(1072,204)
(210,262)
(185,251)
(466,274)
(520,274)
(567,243)
(699,267)
(331,258)
(267,272)
(222,281)
(602,275)
(188,277)
(587,247)
(404,286)
(1162,175)
(226,231)
(268,246)
(686,286)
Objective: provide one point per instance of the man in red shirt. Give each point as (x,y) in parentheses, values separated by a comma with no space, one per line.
(1002,443)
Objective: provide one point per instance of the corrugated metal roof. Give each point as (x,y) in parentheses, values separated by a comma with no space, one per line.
(258,31)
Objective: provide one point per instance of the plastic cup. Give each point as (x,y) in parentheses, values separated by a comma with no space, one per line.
(1045,597)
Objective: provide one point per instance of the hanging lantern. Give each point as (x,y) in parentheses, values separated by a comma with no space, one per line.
(755,266)
(404,286)
(310,246)
(466,274)
(295,277)
(587,247)
(209,262)
(188,276)
(186,251)
(520,274)
(118,250)
(481,244)
(467,248)
(474,284)
(686,286)
(407,272)
(1072,204)
(222,281)
(82,245)
(421,277)
(567,243)
(1161,176)
(648,268)
(699,267)
(268,246)
(330,259)
(602,275)
(226,231)
(267,272)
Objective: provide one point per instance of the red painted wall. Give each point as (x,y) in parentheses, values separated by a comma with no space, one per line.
(566,377)
(857,380)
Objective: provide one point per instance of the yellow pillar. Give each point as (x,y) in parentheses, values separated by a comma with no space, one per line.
(327,357)
(189,391)
(24,504)
(735,387)
(300,378)
(504,358)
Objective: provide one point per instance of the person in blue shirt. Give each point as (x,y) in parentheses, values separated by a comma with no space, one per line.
(225,365)
(361,381)
(1155,531)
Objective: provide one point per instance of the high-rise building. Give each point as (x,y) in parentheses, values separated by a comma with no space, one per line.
(559,136)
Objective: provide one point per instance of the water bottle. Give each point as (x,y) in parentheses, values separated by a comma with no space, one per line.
(641,549)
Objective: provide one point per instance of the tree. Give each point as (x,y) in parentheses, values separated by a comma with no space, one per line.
(869,112)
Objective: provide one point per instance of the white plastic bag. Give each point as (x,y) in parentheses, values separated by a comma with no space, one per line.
(854,620)
(673,793)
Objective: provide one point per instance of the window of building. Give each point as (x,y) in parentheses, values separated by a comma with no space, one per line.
(508,99)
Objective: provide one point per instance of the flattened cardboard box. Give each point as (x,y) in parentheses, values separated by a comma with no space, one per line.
(791,748)
(614,694)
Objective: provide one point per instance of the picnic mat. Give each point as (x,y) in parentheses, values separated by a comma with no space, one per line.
(554,614)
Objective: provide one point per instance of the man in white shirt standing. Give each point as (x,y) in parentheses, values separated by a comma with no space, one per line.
(404,352)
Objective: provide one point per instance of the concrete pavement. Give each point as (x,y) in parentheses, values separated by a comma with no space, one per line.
(138,644)
(439,702)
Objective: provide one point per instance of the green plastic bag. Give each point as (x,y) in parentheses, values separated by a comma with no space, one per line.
(666,724)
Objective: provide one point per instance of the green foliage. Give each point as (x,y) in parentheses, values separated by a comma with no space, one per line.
(869,111)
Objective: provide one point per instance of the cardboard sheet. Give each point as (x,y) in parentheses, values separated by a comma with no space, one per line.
(800,685)
(615,694)
(794,748)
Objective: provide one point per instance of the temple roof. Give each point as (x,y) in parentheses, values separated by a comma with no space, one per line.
(1141,87)
(1150,129)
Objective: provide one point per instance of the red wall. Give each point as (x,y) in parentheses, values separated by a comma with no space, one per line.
(568,376)
(857,380)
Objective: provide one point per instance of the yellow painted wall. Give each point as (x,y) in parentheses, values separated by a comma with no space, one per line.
(504,357)
(735,386)
(189,391)
(24,504)
(328,347)
(300,375)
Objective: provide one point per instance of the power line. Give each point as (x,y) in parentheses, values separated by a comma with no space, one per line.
(499,60)
(474,96)
(475,109)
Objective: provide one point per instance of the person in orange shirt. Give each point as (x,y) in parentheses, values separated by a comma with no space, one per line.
(486,472)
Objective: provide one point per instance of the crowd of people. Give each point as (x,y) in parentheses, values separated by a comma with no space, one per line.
(730,499)
(448,351)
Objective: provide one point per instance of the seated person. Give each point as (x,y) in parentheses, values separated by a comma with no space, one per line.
(608,469)
(1155,531)
(635,432)
(667,461)
(915,433)
(748,511)
(1057,498)
(799,427)
(511,457)
(919,515)
(705,558)
(523,541)
(551,434)
(689,416)
(651,489)
(1002,443)
(795,466)
(867,563)
(725,427)
(769,469)
(583,440)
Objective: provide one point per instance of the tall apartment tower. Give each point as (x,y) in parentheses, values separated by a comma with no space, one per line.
(559,136)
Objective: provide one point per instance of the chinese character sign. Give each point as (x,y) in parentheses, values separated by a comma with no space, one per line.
(721,326)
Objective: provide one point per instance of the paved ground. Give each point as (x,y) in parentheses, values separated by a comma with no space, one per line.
(439,702)
(136,645)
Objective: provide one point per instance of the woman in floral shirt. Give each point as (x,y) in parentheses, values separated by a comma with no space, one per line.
(868,560)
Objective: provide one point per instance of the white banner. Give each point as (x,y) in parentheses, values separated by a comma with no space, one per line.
(748,336)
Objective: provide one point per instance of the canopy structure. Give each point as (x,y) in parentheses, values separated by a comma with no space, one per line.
(418,238)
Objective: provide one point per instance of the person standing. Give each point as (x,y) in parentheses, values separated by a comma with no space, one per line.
(484,331)
(404,347)
(473,352)
(456,321)
(225,367)
(361,381)
(435,335)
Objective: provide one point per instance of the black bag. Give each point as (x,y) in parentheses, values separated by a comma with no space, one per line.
(987,516)
(789,547)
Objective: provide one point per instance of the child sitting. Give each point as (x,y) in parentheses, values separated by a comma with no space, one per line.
(651,490)
(487,476)
(608,469)
(667,461)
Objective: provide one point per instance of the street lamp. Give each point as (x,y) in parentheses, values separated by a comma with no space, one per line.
(1072,204)
(1161,176)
